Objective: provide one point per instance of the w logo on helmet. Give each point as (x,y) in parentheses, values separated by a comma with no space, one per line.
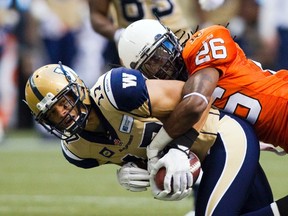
(71,75)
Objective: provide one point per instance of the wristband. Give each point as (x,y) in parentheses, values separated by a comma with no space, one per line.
(186,139)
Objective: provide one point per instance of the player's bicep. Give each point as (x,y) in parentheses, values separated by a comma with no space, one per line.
(164,95)
(99,6)
(204,81)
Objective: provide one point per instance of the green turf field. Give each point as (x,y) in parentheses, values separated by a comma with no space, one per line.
(37,180)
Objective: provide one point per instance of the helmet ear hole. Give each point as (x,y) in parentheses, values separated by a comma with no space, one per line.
(133,65)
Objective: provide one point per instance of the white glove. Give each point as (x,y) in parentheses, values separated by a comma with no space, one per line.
(165,195)
(133,178)
(177,166)
(209,5)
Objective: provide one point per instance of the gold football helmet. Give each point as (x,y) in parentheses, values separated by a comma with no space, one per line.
(50,84)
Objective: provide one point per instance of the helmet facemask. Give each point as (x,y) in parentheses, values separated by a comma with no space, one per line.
(149,46)
(74,121)
(163,59)
(59,100)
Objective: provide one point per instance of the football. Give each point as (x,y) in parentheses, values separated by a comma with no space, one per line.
(195,167)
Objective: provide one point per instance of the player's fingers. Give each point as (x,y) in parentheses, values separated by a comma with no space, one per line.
(156,167)
(167,182)
(139,183)
(185,193)
(177,182)
(183,182)
(139,177)
(189,179)
(175,196)
(134,170)
(162,194)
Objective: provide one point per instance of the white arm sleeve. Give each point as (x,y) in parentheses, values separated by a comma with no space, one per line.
(158,143)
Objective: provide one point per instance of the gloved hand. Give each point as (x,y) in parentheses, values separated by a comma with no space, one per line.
(156,146)
(209,5)
(177,166)
(133,178)
(165,195)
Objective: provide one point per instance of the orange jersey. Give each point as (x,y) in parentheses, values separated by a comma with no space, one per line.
(244,88)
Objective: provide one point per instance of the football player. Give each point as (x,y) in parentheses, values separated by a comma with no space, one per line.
(126,12)
(110,17)
(114,122)
(218,70)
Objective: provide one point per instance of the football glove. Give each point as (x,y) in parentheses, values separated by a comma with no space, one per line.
(166,195)
(133,178)
(177,165)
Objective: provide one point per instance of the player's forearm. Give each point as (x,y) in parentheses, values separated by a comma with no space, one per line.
(100,20)
(196,93)
(184,116)
(103,26)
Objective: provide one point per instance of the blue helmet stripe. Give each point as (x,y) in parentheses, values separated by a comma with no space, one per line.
(35,90)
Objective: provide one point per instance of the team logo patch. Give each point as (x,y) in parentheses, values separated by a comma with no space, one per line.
(126,124)
(106,152)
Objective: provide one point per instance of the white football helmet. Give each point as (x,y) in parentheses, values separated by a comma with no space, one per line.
(152,48)
(50,84)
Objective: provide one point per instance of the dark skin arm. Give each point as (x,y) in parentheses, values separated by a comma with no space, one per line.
(190,109)
(164,96)
(99,17)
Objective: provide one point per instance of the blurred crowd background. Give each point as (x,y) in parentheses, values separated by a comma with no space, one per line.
(38,32)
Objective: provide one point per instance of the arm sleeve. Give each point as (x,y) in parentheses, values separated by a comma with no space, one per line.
(126,90)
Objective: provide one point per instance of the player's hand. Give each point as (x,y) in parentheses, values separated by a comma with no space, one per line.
(133,178)
(158,143)
(166,195)
(177,166)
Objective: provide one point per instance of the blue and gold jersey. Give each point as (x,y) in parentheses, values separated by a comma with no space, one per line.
(121,101)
